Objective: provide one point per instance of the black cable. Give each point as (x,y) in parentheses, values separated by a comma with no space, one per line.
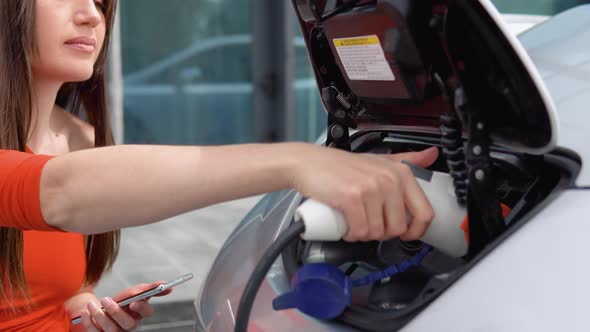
(259,273)
(452,145)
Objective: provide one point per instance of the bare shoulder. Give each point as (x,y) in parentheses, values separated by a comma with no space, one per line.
(80,133)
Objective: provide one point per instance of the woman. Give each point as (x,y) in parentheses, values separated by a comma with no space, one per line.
(60,179)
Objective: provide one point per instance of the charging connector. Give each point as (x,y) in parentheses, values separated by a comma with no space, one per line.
(322,223)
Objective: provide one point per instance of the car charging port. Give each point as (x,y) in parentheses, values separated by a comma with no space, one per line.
(521,181)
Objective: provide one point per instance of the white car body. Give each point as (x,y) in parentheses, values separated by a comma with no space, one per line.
(540,273)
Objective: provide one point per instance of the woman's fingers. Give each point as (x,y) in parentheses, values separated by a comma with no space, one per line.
(419,209)
(395,215)
(374,208)
(355,215)
(111,317)
(142,308)
(101,318)
(118,315)
(88,322)
(422,158)
(393,205)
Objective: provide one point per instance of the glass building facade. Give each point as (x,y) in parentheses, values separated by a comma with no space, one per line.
(188,75)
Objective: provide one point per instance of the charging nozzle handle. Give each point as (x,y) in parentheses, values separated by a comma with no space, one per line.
(322,222)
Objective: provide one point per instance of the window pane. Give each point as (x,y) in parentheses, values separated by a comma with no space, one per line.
(187,72)
(310,114)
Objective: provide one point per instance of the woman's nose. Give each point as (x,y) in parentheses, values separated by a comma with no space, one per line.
(86,12)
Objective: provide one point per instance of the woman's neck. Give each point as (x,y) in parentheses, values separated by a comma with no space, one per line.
(44,126)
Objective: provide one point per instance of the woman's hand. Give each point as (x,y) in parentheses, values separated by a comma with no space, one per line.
(115,318)
(372,191)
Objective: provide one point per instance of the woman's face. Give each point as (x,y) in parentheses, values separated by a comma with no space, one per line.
(69,37)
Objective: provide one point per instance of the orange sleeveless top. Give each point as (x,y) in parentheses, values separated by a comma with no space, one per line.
(54,261)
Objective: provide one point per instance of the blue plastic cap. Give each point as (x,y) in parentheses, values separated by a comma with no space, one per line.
(319,290)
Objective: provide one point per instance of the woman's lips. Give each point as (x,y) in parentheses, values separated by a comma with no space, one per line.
(83,44)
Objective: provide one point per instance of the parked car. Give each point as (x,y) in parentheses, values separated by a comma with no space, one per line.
(447,74)
(203,94)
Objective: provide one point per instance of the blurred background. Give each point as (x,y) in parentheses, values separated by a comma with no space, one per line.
(212,72)
(207,72)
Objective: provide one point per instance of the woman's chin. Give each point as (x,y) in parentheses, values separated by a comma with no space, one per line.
(64,74)
(78,76)
(76,71)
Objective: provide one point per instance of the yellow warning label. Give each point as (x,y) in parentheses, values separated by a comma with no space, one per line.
(363,58)
(357,41)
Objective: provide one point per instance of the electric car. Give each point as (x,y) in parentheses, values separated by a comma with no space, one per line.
(510,117)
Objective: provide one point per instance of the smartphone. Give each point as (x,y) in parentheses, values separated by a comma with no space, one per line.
(150,292)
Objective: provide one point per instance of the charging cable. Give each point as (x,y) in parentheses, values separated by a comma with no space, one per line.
(259,273)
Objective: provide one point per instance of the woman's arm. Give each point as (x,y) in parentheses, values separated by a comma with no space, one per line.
(98,190)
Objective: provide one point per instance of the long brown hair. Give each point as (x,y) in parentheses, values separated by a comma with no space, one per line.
(17,45)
